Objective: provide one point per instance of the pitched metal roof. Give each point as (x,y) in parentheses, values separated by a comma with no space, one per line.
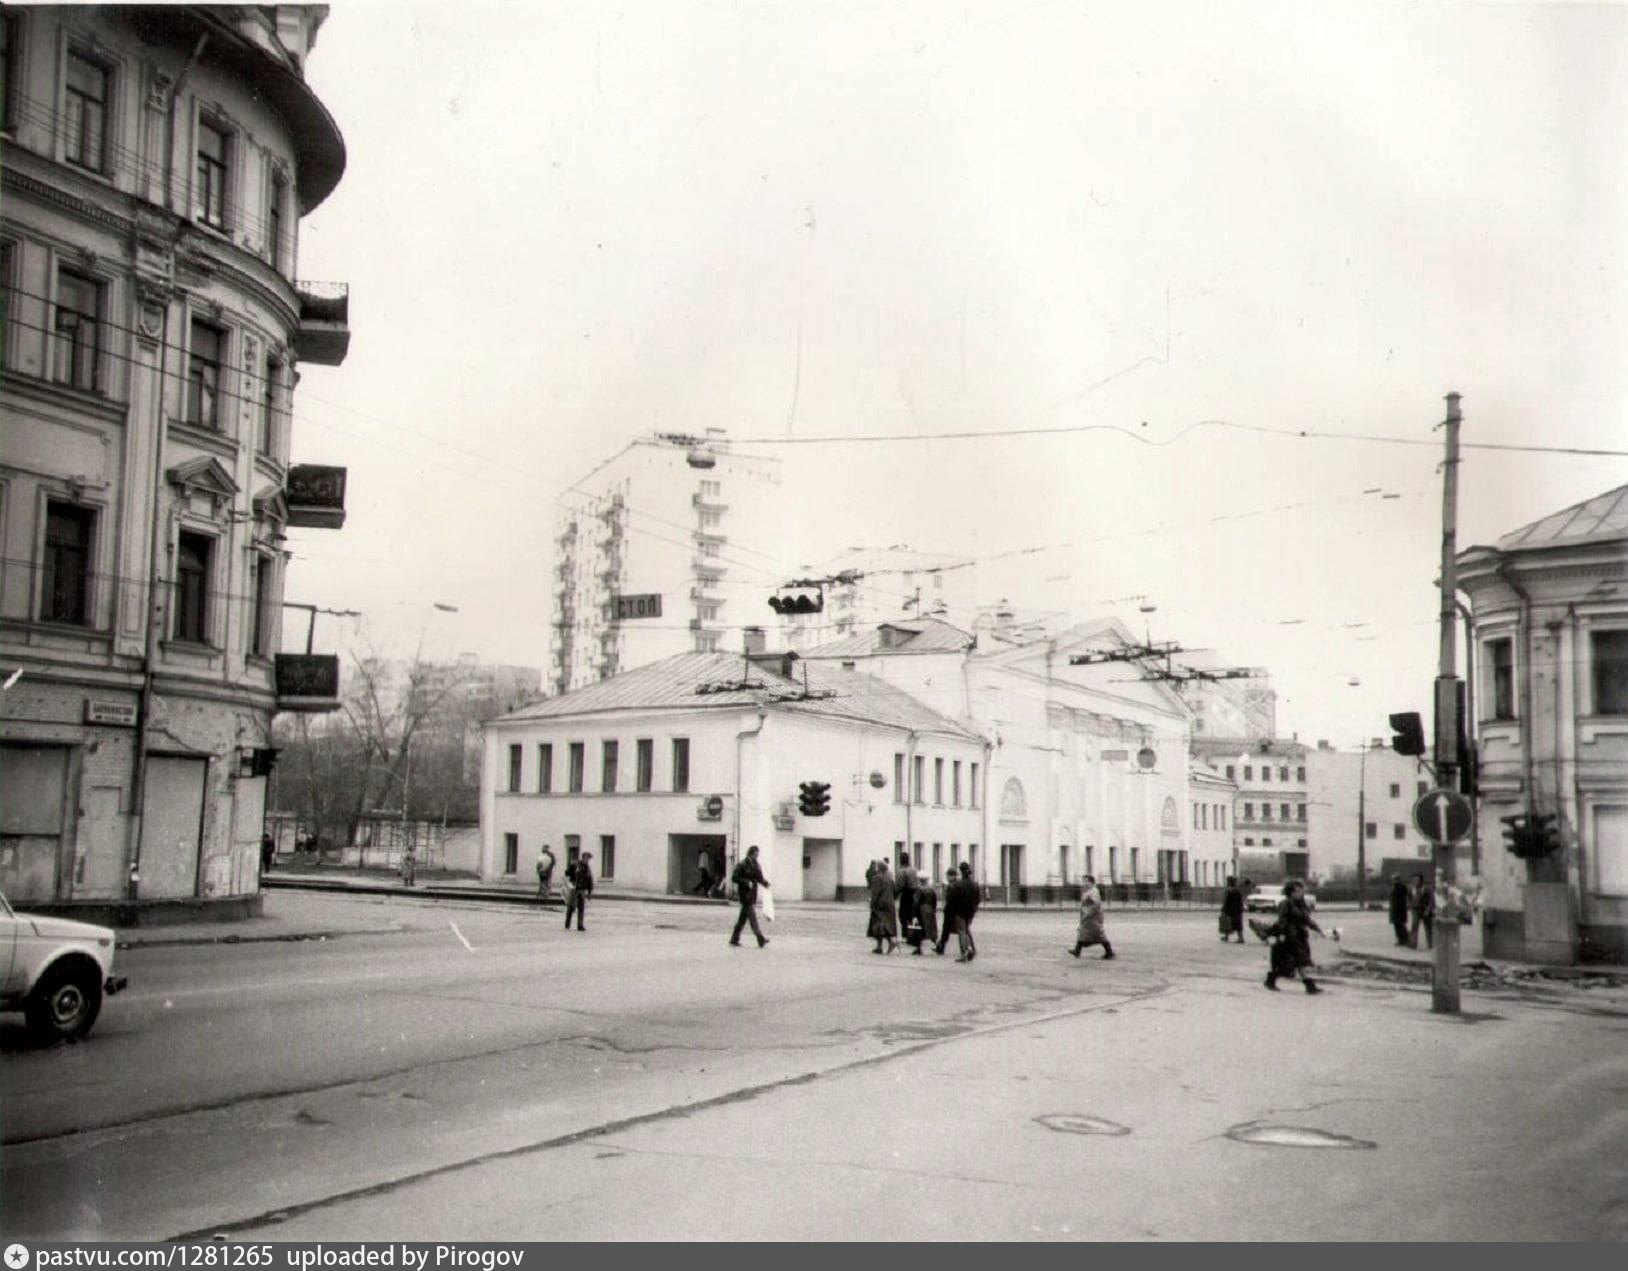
(707,681)
(1600,519)
(903,635)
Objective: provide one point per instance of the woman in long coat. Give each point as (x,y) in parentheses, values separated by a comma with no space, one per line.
(1091,930)
(1293,927)
(884,924)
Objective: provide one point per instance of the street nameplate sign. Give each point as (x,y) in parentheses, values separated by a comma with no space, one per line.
(1443,816)
(119,714)
(645,606)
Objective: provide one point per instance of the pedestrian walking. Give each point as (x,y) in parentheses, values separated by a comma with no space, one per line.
(908,886)
(545,871)
(268,850)
(1292,930)
(1091,930)
(409,866)
(1422,909)
(951,924)
(748,877)
(582,886)
(971,897)
(1232,912)
(926,918)
(704,865)
(884,923)
(1399,909)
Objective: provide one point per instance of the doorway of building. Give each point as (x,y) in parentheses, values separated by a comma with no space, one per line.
(1011,864)
(172,826)
(685,853)
(33,816)
(822,868)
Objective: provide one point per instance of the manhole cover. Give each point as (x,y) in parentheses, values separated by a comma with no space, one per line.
(1077,1123)
(1293,1136)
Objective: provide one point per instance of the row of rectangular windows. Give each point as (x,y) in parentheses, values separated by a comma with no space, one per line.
(609,766)
(85,119)
(573,849)
(67,575)
(1202,815)
(918,858)
(1608,675)
(1268,842)
(77,328)
(917,791)
(1266,811)
(1266,773)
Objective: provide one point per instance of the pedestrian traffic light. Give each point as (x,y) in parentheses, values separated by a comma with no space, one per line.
(1409,734)
(814,798)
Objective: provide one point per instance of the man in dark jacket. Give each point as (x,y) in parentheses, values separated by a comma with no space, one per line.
(952,924)
(1399,909)
(970,897)
(1232,912)
(748,877)
(582,884)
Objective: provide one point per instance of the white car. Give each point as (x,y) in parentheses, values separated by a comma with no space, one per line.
(1265,900)
(55,971)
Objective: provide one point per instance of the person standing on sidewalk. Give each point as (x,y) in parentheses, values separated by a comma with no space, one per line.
(1232,912)
(1294,927)
(1399,909)
(545,871)
(1091,930)
(909,888)
(1422,904)
(704,865)
(748,877)
(582,886)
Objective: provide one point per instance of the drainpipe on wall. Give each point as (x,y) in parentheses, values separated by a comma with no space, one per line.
(740,739)
(983,862)
(909,787)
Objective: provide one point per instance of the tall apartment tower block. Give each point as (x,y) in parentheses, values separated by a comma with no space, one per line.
(664,548)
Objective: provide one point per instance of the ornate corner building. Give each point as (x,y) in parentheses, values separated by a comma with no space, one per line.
(156,162)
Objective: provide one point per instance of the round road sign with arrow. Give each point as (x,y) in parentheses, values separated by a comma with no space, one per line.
(1443,816)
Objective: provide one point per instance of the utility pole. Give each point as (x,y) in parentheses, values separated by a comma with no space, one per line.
(1444,995)
(1362,830)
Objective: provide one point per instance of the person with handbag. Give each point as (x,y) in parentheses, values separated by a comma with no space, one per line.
(748,877)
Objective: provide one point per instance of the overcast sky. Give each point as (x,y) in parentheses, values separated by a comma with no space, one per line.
(566,224)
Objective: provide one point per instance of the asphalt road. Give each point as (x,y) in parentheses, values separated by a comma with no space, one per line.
(475,1072)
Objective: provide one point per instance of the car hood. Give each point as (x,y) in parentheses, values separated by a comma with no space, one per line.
(67,929)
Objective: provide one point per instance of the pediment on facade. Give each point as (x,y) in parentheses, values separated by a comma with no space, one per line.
(206,475)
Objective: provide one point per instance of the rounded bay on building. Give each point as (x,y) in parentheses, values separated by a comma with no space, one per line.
(156,163)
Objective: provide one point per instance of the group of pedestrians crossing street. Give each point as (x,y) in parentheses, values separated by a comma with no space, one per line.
(911,904)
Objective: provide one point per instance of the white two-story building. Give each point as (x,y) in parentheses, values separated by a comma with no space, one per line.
(706,753)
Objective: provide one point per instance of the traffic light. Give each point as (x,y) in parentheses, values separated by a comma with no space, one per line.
(1469,773)
(1543,833)
(1516,833)
(1409,734)
(800,603)
(814,798)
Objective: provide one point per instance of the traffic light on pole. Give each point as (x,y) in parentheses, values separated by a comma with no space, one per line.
(814,798)
(1516,833)
(1408,738)
(1544,834)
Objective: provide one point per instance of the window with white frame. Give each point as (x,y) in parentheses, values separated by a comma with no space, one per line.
(1501,675)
